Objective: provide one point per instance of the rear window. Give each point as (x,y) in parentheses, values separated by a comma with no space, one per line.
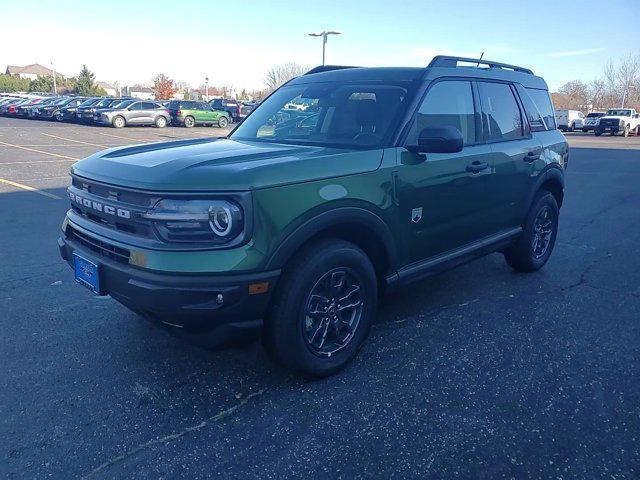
(543,102)
(595,115)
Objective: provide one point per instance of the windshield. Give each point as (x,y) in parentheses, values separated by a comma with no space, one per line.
(104,103)
(88,102)
(330,114)
(619,113)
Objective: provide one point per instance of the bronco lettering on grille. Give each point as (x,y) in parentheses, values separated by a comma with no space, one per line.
(99,207)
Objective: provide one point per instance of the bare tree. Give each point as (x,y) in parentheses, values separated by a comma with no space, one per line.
(280,74)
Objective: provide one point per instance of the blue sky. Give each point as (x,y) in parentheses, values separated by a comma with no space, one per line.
(235,42)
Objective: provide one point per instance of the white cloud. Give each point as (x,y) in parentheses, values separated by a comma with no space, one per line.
(576,53)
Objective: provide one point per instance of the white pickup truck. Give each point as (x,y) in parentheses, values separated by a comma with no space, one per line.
(619,120)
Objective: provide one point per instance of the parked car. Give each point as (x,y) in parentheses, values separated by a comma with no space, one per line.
(227,105)
(85,114)
(569,120)
(619,120)
(53,111)
(245,109)
(34,110)
(17,108)
(10,104)
(298,229)
(191,113)
(24,109)
(592,121)
(69,112)
(132,112)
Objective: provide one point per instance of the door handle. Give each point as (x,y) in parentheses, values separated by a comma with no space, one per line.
(531,157)
(477,166)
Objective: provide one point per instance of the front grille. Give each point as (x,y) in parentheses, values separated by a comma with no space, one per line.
(104,249)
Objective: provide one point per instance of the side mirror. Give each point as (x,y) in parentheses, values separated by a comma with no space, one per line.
(438,140)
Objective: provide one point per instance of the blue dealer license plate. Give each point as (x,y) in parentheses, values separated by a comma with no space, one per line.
(87,273)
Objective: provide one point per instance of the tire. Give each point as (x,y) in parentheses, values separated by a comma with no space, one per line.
(118,121)
(598,133)
(585,130)
(58,117)
(625,132)
(161,122)
(310,344)
(571,127)
(528,254)
(189,122)
(223,122)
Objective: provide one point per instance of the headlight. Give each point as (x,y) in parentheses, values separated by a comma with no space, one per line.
(193,221)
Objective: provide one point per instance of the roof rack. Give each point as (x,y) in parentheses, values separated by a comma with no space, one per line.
(328,68)
(446,61)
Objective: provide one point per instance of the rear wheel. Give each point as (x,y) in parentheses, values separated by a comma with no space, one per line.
(223,122)
(58,116)
(534,246)
(322,309)
(189,122)
(161,122)
(598,133)
(118,122)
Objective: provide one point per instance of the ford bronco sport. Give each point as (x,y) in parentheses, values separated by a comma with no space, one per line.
(295,224)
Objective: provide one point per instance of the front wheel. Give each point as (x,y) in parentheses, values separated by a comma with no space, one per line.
(223,122)
(322,309)
(189,122)
(161,122)
(119,122)
(625,132)
(534,246)
(58,117)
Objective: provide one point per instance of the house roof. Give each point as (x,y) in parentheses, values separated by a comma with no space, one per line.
(33,69)
(105,85)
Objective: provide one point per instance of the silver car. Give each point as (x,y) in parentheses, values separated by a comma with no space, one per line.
(133,112)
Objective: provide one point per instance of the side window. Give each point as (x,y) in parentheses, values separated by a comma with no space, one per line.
(501,115)
(448,103)
(147,106)
(136,106)
(531,111)
(545,107)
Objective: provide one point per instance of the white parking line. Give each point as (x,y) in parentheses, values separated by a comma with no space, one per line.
(30,189)
(75,141)
(117,136)
(38,151)
(35,161)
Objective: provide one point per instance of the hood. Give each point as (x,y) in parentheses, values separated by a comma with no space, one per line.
(221,165)
(614,117)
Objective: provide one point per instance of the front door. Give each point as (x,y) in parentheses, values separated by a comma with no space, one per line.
(443,198)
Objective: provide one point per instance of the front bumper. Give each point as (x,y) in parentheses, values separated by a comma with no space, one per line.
(219,304)
(610,128)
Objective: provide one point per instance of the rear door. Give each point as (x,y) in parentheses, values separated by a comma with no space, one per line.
(515,152)
(443,198)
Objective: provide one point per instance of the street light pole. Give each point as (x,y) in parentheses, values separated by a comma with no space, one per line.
(324,36)
(206,87)
(55,87)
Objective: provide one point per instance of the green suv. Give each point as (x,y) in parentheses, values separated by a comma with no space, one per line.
(190,114)
(296,223)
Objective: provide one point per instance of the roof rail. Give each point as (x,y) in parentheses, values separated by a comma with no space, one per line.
(446,61)
(328,68)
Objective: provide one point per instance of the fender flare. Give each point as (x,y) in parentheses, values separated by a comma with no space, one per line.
(357,216)
(552,172)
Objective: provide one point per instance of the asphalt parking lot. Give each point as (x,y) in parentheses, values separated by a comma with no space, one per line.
(477,373)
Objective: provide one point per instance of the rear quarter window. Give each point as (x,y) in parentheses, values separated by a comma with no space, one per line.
(542,101)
